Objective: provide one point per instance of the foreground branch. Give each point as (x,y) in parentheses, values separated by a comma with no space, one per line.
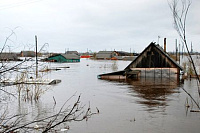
(74,113)
(180,17)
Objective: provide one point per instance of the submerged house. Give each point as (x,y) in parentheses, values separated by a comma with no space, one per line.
(121,55)
(153,62)
(27,54)
(8,57)
(106,55)
(62,58)
(115,55)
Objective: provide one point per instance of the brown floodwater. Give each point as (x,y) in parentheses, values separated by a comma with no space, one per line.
(150,105)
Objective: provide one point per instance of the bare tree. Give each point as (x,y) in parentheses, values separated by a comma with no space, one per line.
(180,17)
(10,123)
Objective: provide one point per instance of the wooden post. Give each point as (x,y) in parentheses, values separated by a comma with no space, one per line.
(165,43)
(176,51)
(154,75)
(179,53)
(36,57)
(169,74)
(178,75)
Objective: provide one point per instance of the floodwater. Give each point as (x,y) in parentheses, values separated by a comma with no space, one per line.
(151,105)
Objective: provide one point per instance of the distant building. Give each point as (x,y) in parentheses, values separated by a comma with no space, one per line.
(71,52)
(115,55)
(106,55)
(8,57)
(62,58)
(122,53)
(27,54)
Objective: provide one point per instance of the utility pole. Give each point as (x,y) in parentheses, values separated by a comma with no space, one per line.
(176,50)
(165,43)
(158,39)
(191,48)
(182,50)
(36,57)
(179,53)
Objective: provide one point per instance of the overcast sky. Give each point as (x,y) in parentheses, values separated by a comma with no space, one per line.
(128,25)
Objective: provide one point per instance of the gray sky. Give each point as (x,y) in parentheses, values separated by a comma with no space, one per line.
(93,24)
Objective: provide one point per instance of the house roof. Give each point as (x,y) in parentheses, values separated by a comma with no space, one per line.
(72,52)
(71,56)
(123,53)
(105,52)
(153,56)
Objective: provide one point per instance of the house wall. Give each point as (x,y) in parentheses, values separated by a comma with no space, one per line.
(158,72)
(8,57)
(72,60)
(113,77)
(58,58)
(105,54)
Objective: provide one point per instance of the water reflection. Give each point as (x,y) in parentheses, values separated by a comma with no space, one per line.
(114,66)
(28,112)
(152,93)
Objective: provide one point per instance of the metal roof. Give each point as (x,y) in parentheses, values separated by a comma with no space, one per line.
(71,56)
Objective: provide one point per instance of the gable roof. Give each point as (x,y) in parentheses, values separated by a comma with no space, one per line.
(153,56)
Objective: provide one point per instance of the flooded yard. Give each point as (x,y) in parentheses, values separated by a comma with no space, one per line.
(151,105)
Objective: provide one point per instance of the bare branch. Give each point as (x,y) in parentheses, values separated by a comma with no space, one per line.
(18,122)
(180,26)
